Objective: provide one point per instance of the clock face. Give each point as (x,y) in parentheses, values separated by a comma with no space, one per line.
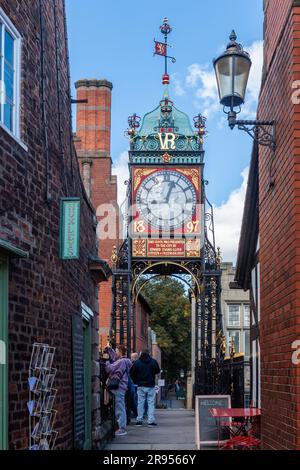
(166,199)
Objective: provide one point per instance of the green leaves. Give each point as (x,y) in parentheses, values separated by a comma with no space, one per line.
(171,320)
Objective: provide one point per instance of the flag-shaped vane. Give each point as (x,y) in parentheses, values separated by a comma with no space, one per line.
(161,48)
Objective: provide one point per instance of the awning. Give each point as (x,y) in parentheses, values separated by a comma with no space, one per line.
(12,250)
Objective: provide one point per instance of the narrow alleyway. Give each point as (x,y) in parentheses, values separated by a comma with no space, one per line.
(175,431)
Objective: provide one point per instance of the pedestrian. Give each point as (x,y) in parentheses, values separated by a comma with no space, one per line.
(118,366)
(132,389)
(143,375)
(134,357)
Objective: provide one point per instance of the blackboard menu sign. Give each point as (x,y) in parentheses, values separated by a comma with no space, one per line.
(78,382)
(207,432)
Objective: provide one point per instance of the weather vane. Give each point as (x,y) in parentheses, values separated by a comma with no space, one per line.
(161,48)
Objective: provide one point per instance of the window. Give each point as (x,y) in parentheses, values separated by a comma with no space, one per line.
(10,43)
(235,336)
(246,316)
(247,343)
(247,400)
(233,315)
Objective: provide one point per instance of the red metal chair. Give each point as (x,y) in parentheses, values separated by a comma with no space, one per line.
(242,443)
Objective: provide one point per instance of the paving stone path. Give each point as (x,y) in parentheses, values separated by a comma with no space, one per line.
(175,431)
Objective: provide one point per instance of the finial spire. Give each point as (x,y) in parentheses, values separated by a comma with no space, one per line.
(161,48)
(233,36)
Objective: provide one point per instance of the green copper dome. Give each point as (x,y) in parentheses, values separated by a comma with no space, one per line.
(149,144)
(166,117)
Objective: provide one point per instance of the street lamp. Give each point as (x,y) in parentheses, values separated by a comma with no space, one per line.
(232,70)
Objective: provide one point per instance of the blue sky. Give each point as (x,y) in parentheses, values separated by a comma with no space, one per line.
(115,40)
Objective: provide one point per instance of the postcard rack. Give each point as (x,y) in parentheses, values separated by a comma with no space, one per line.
(42,396)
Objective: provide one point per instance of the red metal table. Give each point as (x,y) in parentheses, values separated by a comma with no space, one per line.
(241,428)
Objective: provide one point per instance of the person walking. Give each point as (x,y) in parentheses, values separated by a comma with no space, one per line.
(118,366)
(132,389)
(143,374)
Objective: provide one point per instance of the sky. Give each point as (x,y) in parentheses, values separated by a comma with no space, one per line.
(114,40)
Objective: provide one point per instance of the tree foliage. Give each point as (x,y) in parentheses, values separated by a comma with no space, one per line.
(171,321)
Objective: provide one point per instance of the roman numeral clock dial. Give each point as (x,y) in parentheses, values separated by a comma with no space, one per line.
(166,200)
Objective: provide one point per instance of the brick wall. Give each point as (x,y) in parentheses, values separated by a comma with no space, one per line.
(279,223)
(142,323)
(44,292)
(92,141)
(275,18)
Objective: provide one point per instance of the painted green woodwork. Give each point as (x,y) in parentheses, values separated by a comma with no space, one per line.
(180,158)
(147,144)
(12,249)
(69,228)
(153,119)
(3,353)
(87,344)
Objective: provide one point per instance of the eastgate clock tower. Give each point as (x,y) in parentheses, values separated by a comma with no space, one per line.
(167,233)
(166,163)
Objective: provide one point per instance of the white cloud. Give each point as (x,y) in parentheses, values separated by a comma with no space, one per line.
(254,83)
(202,79)
(207,93)
(120,169)
(228,220)
(178,88)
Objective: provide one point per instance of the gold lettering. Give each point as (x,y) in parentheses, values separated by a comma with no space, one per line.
(168,142)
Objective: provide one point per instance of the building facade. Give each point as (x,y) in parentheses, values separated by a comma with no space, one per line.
(235,305)
(248,273)
(269,265)
(92,142)
(48,295)
(143,312)
(235,313)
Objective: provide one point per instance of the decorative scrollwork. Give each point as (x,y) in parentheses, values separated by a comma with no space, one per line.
(196,145)
(152,144)
(258,133)
(123,256)
(181,143)
(139,267)
(138,145)
(257,130)
(194,268)
(210,255)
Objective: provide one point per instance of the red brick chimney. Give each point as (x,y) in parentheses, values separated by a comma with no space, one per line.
(92,142)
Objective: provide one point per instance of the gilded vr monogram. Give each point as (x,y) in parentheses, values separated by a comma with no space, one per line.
(167,141)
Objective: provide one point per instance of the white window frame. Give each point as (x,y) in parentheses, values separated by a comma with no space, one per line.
(247,331)
(254,373)
(9,26)
(244,323)
(229,325)
(232,330)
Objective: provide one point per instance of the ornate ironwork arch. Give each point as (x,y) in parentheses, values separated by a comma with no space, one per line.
(155,276)
(141,268)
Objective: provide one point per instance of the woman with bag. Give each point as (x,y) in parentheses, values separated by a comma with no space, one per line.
(117,366)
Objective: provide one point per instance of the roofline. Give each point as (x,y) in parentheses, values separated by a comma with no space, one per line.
(93,82)
(250,226)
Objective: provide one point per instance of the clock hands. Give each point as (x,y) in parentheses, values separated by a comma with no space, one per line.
(171,186)
(166,198)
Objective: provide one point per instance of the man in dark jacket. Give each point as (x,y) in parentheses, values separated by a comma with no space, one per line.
(143,374)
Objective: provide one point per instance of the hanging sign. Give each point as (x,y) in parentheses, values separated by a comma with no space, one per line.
(69,228)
